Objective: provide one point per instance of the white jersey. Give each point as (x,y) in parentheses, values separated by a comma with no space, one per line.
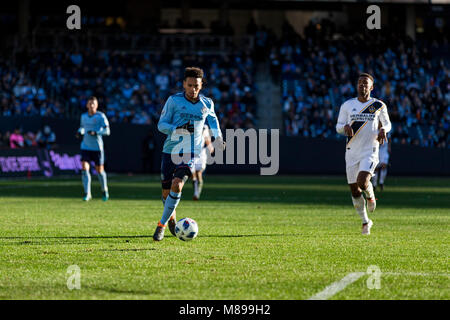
(364,118)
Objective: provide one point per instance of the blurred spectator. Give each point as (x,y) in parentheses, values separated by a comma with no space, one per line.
(30,140)
(16,139)
(131,88)
(46,138)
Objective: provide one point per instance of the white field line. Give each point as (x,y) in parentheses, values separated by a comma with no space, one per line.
(337,286)
(340,285)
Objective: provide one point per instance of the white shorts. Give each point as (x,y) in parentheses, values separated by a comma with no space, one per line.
(366,164)
(199,162)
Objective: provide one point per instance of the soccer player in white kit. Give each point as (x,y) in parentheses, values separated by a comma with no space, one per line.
(365,122)
(200,163)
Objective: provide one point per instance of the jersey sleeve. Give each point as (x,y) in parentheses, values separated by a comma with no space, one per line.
(342,119)
(165,120)
(213,122)
(384,119)
(104,128)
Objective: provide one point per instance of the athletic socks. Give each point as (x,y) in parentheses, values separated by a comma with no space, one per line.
(360,206)
(103,181)
(170,204)
(86,179)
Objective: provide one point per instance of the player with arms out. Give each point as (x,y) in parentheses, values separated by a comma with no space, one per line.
(182,120)
(359,120)
(93,126)
(200,164)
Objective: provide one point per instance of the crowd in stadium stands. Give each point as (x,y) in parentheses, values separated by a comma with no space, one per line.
(44,138)
(131,88)
(318,75)
(317,71)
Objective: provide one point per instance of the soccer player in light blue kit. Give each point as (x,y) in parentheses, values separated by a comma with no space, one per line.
(93,126)
(182,120)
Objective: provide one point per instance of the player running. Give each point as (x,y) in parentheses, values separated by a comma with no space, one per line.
(93,126)
(182,120)
(200,164)
(381,170)
(359,120)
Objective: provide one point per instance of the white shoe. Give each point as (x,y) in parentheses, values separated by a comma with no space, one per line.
(371,204)
(366,227)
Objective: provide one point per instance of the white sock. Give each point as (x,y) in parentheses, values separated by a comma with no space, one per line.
(369,191)
(360,206)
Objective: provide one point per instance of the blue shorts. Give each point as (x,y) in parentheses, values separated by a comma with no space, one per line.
(170,170)
(98,157)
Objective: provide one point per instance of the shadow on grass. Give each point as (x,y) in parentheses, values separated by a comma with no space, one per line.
(389,198)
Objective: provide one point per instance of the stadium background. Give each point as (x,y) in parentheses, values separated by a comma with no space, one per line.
(284,65)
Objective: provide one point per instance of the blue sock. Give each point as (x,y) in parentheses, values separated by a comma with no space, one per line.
(103,181)
(86,179)
(171,203)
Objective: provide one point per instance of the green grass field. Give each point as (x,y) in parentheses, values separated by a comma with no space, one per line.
(285,237)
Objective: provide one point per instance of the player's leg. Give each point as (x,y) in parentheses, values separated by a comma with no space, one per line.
(358,200)
(366,168)
(171,202)
(201,166)
(85,175)
(103,181)
(200,182)
(173,218)
(195,184)
(375,178)
(180,174)
(383,174)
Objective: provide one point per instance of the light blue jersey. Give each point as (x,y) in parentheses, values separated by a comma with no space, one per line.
(98,123)
(177,111)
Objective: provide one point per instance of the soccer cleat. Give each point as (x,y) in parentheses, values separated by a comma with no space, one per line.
(87,197)
(195,197)
(172,223)
(159,232)
(366,227)
(105,196)
(371,204)
(381,187)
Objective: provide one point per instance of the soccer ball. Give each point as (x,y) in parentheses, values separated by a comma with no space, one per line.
(186,229)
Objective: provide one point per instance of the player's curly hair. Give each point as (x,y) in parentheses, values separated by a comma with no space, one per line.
(193,72)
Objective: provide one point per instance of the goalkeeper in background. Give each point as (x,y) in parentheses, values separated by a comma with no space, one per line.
(93,126)
(182,120)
